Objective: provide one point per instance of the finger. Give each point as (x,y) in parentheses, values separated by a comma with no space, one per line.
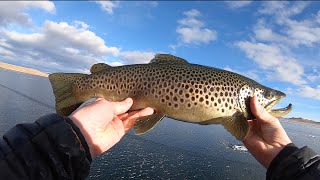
(143,112)
(124,115)
(135,115)
(260,112)
(146,112)
(117,126)
(122,107)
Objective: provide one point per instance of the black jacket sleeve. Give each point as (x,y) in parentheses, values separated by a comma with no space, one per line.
(295,163)
(50,148)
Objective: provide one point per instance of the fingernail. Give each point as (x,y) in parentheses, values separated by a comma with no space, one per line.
(129,101)
(149,110)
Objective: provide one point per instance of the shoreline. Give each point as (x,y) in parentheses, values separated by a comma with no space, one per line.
(302,120)
(21,69)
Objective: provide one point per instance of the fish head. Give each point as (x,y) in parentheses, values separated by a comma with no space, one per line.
(268,98)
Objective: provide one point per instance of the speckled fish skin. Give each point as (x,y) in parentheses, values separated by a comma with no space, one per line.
(179,90)
(182,91)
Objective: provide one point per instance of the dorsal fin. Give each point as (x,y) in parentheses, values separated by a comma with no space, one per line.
(167,59)
(98,67)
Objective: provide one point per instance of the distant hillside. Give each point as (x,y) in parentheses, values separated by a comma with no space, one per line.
(22,69)
(303,120)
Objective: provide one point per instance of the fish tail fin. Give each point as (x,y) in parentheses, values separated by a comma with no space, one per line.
(62,84)
(237,125)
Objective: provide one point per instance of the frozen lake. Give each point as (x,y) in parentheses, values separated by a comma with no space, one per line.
(172,150)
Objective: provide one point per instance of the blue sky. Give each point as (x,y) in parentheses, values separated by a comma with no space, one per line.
(275,43)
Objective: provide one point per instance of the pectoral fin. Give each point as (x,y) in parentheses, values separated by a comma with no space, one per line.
(237,125)
(146,123)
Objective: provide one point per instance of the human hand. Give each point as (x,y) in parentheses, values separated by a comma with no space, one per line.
(103,123)
(266,137)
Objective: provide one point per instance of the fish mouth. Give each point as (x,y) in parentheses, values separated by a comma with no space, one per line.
(278,112)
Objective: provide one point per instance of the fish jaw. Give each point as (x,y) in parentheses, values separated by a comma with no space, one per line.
(278,112)
(281,112)
(269,106)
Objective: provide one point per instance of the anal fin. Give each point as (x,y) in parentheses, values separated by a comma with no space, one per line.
(237,125)
(146,123)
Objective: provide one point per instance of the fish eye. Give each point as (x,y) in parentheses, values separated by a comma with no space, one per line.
(269,94)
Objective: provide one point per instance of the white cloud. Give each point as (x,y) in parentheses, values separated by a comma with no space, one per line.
(191,30)
(265,33)
(314,75)
(65,35)
(317,17)
(4,52)
(59,46)
(277,37)
(310,92)
(195,35)
(313,78)
(303,32)
(136,57)
(72,47)
(132,57)
(237,4)
(81,25)
(14,11)
(293,33)
(108,6)
(191,22)
(192,13)
(279,66)
(282,10)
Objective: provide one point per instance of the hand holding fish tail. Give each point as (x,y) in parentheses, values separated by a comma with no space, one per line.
(266,137)
(103,123)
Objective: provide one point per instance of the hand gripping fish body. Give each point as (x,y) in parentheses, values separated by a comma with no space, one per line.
(173,88)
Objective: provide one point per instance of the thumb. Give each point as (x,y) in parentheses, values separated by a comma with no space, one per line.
(122,107)
(260,112)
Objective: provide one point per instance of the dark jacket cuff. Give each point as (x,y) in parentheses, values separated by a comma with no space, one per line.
(50,119)
(296,163)
(283,154)
(49,148)
(81,137)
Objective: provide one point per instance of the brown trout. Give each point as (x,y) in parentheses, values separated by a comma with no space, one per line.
(173,88)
